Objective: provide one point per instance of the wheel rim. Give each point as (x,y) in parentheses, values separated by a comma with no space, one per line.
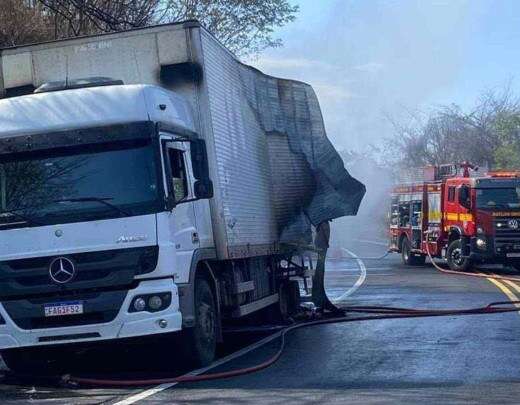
(456,257)
(206,321)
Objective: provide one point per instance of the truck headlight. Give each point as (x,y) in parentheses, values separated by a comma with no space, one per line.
(151,302)
(481,244)
(480,230)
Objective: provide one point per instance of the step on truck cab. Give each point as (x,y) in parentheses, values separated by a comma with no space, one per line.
(458,214)
(150,183)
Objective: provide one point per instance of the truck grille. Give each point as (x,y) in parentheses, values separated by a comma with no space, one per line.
(27,278)
(506,236)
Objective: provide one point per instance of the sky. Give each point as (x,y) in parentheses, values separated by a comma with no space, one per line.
(373,61)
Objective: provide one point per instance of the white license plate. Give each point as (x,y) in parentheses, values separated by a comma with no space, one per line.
(63,308)
(513,254)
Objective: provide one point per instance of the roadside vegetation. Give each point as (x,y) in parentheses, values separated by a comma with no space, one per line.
(246,27)
(487,135)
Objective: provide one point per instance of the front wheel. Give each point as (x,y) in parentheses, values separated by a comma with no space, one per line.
(456,261)
(200,341)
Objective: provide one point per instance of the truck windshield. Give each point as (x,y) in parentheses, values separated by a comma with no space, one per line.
(77,186)
(490,198)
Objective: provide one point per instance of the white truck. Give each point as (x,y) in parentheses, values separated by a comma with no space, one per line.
(150,183)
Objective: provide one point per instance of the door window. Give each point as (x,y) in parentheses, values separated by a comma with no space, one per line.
(451,194)
(178,174)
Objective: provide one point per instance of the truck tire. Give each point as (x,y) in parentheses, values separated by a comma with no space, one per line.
(455,259)
(289,303)
(200,341)
(410,259)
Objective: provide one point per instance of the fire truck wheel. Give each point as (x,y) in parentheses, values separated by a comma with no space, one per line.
(409,258)
(454,257)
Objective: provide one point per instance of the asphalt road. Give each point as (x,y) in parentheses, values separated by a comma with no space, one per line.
(472,359)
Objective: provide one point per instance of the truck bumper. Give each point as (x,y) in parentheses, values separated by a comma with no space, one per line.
(125,324)
(493,254)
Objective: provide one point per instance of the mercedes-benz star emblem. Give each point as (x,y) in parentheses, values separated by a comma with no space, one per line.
(512,223)
(62,270)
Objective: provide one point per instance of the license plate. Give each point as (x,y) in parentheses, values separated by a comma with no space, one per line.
(513,254)
(63,309)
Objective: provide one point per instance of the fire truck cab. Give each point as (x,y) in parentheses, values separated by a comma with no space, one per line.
(456,215)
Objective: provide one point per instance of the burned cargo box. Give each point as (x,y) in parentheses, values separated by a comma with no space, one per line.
(274,170)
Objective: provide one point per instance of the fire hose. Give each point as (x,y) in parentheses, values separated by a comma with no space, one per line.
(441,269)
(373,313)
(370,257)
(464,273)
(377,313)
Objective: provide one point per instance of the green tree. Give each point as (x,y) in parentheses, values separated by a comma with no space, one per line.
(487,135)
(244,26)
(507,153)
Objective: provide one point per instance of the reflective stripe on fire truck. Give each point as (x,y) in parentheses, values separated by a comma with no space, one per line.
(453,216)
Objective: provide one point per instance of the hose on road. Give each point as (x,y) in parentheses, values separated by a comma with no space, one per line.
(378,313)
(465,273)
(369,257)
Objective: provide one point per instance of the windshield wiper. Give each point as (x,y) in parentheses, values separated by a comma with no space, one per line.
(101,200)
(14,213)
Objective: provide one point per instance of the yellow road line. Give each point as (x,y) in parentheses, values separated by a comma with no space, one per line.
(506,290)
(515,287)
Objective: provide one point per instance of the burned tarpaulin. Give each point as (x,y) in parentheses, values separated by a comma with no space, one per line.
(310,183)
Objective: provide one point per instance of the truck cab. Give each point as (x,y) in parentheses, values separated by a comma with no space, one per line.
(489,218)
(103,201)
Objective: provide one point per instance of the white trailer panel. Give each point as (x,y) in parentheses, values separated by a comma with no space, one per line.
(237,110)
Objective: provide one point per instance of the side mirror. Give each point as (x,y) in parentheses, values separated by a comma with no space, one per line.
(203,189)
(199,159)
(464,196)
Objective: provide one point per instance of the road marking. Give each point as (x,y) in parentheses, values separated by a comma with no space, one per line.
(359,281)
(505,290)
(152,391)
(373,242)
(515,287)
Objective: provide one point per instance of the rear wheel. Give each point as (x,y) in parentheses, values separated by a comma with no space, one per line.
(409,258)
(456,261)
(289,300)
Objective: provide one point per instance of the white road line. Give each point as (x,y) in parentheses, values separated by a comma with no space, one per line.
(373,242)
(359,281)
(152,391)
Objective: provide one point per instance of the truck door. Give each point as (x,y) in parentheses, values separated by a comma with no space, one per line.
(179,182)
(416,221)
(434,218)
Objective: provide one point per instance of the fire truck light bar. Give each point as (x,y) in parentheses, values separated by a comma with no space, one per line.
(504,174)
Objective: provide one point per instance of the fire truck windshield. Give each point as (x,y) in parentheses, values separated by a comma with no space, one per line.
(491,198)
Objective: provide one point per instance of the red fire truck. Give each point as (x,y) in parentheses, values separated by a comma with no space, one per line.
(458,215)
